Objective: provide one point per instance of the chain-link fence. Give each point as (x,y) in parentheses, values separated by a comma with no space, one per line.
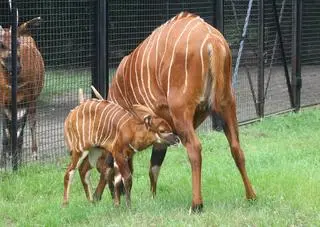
(262,39)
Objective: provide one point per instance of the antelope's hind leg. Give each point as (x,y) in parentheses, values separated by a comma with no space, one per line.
(184,126)
(106,170)
(123,164)
(84,171)
(230,127)
(76,160)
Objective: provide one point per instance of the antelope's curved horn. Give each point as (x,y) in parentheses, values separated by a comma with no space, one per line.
(24,28)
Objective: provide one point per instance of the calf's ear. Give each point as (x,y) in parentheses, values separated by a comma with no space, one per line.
(147,121)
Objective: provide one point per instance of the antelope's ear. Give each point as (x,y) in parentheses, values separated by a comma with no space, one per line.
(147,121)
(142,109)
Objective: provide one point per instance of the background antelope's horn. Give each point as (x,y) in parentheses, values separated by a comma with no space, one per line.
(96,93)
(24,28)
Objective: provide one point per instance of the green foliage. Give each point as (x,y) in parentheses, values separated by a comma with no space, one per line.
(282,157)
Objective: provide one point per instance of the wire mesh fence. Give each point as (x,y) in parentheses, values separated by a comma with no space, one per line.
(310,49)
(67,40)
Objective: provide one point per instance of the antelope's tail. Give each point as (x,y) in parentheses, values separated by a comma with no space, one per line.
(96,93)
(220,72)
(81,98)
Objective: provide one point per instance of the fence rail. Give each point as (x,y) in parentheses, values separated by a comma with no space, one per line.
(82,43)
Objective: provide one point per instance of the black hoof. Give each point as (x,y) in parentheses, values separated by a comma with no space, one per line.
(196,209)
(96,198)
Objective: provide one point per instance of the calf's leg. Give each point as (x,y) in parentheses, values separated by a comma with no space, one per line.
(76,161)
(157,156)
(124,168)
(84,171)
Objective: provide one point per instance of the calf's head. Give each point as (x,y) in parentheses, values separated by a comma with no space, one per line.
(5,50)
(160,128)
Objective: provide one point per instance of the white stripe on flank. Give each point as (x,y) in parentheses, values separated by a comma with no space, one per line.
(165,48)
(109,126)
(186,59)
(84,136)
(125,80)
(71,133)
(118,86)
(89,128)
(136,73)
(142,75)
(148,68)
(118,129)
(130,79)
(173,53)
(201,54)
(106,117)
(94,121)
(157,53)
(77,127)
(67,135)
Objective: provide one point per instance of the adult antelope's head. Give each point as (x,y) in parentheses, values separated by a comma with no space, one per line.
(5,50)
(158,126)
(5,43)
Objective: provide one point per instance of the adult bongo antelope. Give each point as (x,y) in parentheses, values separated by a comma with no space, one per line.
(182,71)
(96,128)
(30,81)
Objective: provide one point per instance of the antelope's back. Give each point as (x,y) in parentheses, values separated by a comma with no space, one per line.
(94,123)
(32,67)
(170,65)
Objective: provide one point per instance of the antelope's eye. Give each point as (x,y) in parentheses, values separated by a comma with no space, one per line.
(161,130)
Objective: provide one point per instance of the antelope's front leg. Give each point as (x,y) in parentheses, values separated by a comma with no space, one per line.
(122,162)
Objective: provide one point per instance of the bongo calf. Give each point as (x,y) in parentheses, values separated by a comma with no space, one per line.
(97,127)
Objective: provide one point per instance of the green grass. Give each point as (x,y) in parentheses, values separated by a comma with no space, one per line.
(283,162)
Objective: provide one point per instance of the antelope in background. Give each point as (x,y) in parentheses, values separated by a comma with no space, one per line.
(98,127)
(30,80)
(182,71)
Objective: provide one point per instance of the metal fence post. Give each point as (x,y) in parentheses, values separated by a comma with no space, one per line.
(218,20)
(100,77)
(14,24)
(218,23)
(296,81)
(261,98)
